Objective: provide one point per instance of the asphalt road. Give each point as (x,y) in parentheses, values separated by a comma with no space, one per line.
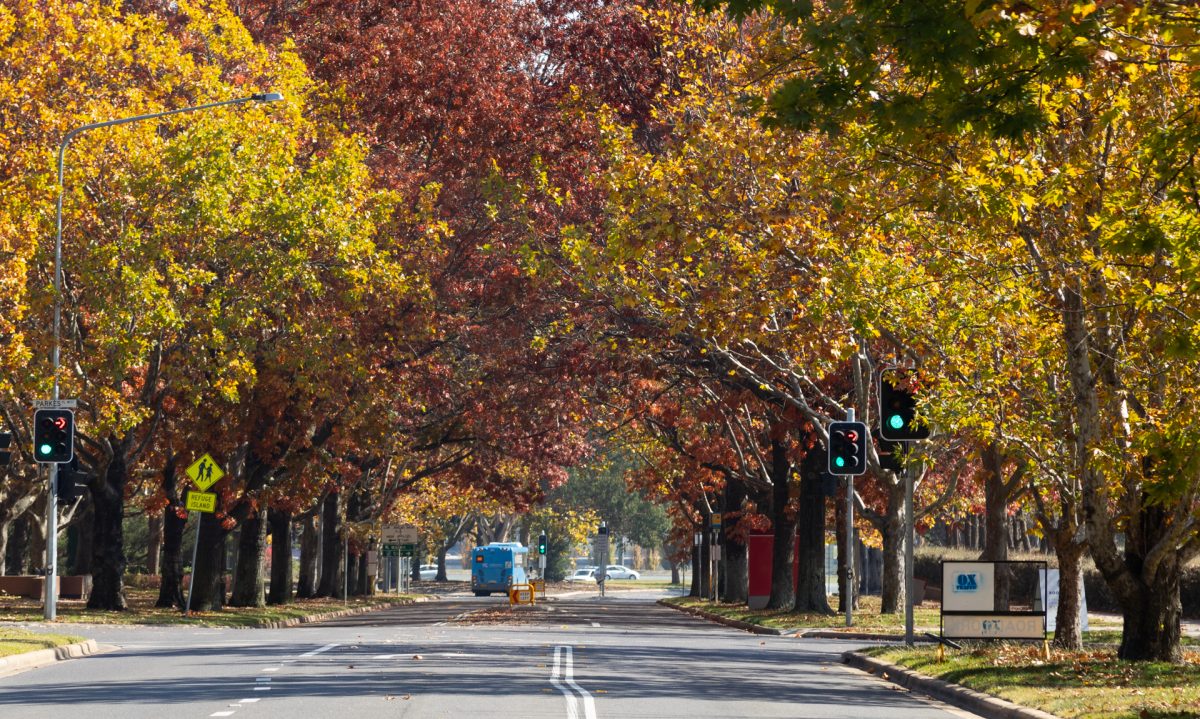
(579,657)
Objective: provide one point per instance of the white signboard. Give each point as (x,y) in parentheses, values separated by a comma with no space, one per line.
(372,562)
(1048,589)
(991,626)
(401,534)
(968,587)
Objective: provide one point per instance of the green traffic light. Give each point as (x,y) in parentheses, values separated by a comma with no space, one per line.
(896,422)
(839,461)
(45,449)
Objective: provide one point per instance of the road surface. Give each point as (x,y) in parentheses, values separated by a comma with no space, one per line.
(577,657)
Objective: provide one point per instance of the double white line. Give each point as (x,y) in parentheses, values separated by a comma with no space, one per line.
(564,663)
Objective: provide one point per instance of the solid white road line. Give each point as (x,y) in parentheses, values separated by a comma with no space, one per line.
(247,701)
(315,652)
(221,714)
(589,704)
(595,624)
(572,701)
(564,667)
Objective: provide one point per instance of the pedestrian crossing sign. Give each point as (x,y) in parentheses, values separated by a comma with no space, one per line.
(205,472)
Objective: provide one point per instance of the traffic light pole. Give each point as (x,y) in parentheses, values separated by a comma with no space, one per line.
(50,604)
(848,597)
(908,555)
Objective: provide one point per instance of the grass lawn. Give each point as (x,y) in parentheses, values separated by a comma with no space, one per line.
(866,618)
(18,641)
(142,611)
(1088,684)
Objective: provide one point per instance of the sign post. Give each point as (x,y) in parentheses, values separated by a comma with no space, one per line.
(204,473)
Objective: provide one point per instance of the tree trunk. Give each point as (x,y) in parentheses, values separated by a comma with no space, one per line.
(306,585)
(332,582)
(1068,629)
(249,582)
(108,542)
(17,555)
(208,591)
(441,562)
(80,549)
(783,581)
(810,529)
(675,578)
(696,563)
(363,581)
(733,553)
(281,557)
(170,587)
(893,552)
(154,543)
(1151,630)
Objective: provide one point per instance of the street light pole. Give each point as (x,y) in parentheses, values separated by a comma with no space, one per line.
(52,508)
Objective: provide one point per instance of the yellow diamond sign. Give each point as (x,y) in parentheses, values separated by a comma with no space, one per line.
(205,472)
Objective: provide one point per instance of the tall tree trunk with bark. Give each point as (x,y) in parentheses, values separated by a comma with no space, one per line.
(783,581)
(810,529)
(733,553)
(1068,629)
(310,547)
(208,591)
(170,586)
(332,582)
(17,559)
(281,557)
(249,582)
(892,601)
(108,544)
(154,543)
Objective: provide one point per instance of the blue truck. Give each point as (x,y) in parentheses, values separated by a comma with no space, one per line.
(497,566)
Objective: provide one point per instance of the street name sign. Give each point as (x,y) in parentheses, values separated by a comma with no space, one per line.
(390,550)
(201,502)
(55,404)
(205,472)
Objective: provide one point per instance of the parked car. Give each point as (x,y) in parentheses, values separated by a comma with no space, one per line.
(616,571)
(584,574)
(428,572)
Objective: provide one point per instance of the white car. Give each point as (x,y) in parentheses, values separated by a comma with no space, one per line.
(428,572)
(616,571)
(582,575)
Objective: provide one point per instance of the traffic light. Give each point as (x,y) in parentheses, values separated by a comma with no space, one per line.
(898,414)
(54,435)
(542,544)
(5,453)
(847,448)
(70,482)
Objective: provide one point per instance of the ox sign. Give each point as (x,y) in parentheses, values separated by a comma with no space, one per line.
(992,600)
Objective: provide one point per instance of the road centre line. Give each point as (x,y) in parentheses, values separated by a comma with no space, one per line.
(564,661)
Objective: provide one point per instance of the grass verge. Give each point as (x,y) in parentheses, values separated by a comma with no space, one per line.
(18,641)
(867,618)
(142,611)
(1087,684)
